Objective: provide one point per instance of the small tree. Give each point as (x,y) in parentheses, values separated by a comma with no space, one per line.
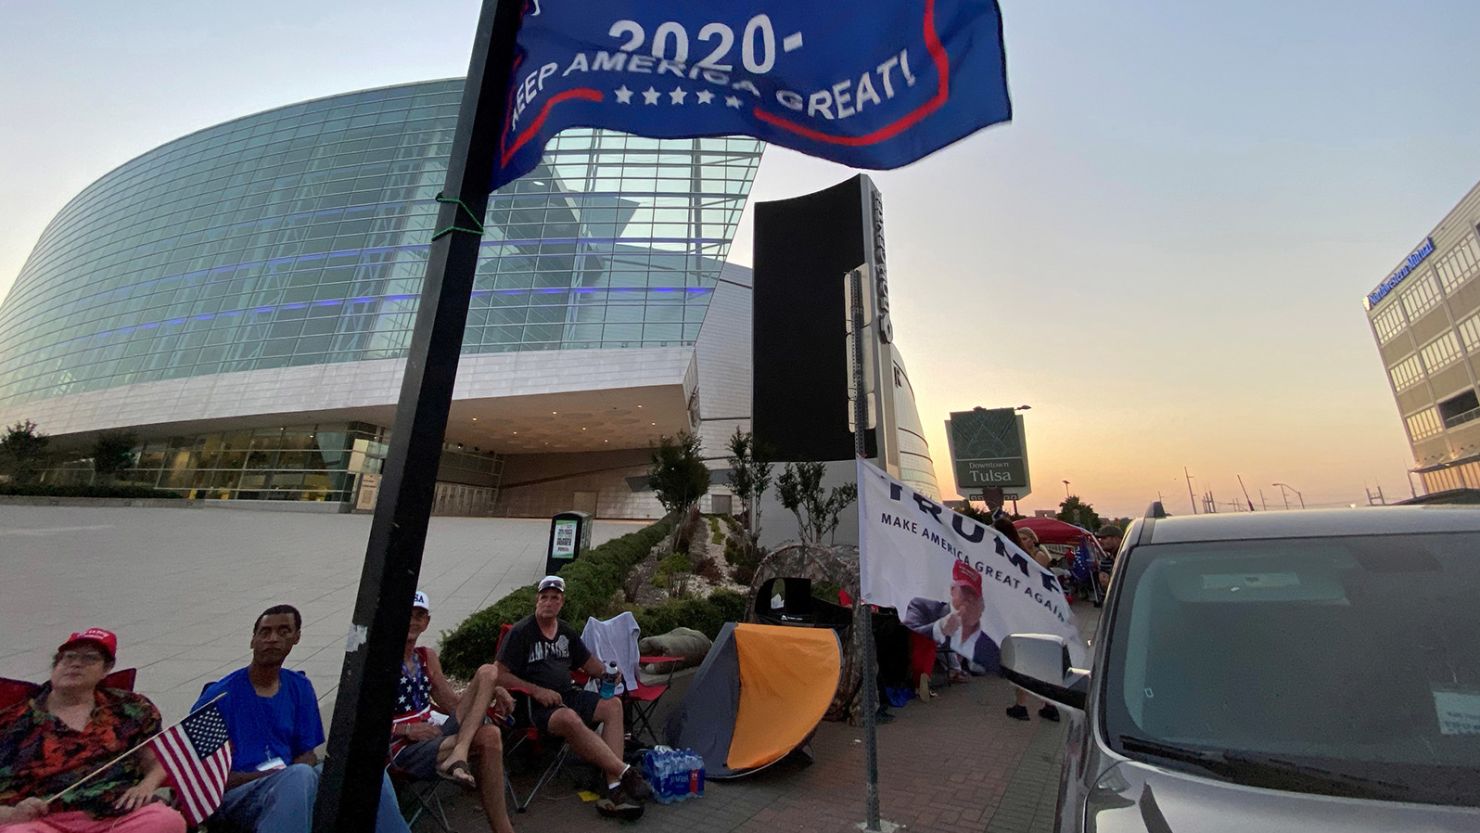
(23,452)
(817,514)
(112,453)
(981,516)
(679,477)
(1077,512)
(750,477)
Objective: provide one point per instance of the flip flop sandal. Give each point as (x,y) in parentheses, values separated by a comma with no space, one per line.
(459,774)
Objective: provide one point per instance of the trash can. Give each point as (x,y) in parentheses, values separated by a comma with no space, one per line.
(570,537)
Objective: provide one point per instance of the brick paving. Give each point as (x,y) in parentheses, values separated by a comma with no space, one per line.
(944,766)
(956,764)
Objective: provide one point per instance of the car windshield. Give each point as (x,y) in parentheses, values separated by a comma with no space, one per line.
(1345,666)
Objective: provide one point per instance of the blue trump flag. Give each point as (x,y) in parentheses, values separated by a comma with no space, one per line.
(872,84)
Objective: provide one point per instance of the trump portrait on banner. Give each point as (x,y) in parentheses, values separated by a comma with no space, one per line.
(957,624)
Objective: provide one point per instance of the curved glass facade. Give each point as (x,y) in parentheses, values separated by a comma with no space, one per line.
(300,235)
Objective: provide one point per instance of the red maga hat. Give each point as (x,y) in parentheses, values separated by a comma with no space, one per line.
(106,640)
(962,575)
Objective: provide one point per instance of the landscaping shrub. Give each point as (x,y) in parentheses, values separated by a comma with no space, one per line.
(593,583)
(670,568)
(40,490)
(715,535)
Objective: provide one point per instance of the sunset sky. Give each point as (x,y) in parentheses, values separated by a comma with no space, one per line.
(1164,254)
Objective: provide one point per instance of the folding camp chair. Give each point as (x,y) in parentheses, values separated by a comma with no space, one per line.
(13,691)
(639,699)
(525,734)
(421,798)
(641,702)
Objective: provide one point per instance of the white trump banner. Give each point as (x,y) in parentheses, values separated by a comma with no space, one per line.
(960,582)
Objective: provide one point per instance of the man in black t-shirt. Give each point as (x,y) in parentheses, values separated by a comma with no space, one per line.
(537,656)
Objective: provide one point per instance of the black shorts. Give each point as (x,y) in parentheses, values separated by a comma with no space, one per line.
(581,701)
(419,760)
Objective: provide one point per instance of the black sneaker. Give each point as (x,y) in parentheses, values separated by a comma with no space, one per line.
(1048,712)
(621,802)
(1017,712)
(634,785)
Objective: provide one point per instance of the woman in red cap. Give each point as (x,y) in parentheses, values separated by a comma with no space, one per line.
(70,727)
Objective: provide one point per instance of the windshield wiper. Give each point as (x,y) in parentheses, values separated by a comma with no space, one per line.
(1268,772)
(1316,774)
(1208,759)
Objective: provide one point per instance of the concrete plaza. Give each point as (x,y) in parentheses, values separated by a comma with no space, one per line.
(182,587)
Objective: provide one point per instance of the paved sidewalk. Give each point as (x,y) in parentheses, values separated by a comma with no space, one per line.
(944,766)
(956,764)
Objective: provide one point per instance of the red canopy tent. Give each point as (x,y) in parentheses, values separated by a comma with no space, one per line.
(1053,531)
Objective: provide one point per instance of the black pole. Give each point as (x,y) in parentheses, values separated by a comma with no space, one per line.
(863,625)
(360,731)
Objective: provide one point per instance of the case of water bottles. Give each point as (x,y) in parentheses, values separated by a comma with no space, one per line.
(674,774)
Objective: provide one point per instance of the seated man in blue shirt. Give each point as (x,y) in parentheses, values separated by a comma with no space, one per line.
(272,716)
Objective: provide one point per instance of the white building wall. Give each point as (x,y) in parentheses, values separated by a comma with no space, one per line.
(724,353)
(328,389)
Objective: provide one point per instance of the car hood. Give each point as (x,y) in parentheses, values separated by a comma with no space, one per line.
(1136,798)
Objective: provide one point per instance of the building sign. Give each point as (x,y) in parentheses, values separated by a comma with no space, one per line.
(369,492)
(877,84)
(1403,271)
(881,271)
(565,539)
(989,451)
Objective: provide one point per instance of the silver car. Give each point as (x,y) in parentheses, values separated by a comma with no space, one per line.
(1311,671)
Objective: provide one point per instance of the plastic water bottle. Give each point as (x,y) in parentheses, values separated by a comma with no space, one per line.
(681,774)
(696,775)
(659,766)
(609,681)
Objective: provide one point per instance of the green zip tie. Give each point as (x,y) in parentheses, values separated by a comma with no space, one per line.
(455,227)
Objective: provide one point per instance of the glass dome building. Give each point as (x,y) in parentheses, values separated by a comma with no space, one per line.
(241,300)
(297,239)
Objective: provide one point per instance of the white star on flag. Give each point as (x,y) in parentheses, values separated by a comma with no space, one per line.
(705,96)
(677,96)
(731,101)
(650,96)
(624,95)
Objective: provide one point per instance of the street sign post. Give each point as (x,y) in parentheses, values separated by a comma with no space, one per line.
(989,452)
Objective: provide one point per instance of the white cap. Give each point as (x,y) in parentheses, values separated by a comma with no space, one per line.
(420,600)
(552,582)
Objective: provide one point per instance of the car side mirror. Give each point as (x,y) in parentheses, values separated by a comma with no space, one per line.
(1039,664)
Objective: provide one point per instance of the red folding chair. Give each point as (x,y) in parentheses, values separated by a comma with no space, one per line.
(523,734)
(640,703)
(13,691)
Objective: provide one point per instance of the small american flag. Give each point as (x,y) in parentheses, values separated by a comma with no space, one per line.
(196,754)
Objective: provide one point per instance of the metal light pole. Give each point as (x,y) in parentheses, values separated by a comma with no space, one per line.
(1283,487)
(360,728)
(1066,490)
(863,626)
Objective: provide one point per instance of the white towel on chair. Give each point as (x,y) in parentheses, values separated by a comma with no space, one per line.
(615,640)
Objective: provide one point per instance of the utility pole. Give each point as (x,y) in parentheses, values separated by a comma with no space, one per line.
(1245,490)
(862,616)
(1262,504)
(1190,498)
(360,728)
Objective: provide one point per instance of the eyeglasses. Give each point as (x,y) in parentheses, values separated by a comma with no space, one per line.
(81,657)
